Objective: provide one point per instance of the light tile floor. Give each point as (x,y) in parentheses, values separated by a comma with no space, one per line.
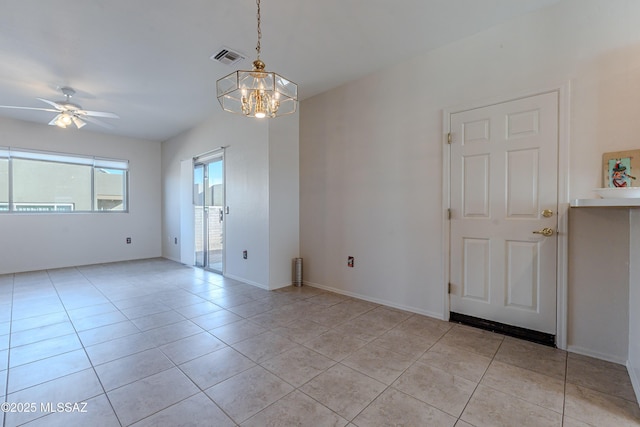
(155,343)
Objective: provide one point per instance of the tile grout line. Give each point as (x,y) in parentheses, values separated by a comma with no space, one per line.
(480,380)
(387,386)
(564,390)
(529,370)
(10,347)
(356,316)
(334,327)
(91,362)
(339,362)
(6,383)
(93,368)
(172,309)
(119,310)
(390,386)
(266,369)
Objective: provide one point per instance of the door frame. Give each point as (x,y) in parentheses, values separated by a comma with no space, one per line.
(205,159)
(563,91)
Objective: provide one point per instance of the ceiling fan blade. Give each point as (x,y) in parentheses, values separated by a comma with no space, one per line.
(53,104)
(98,114)
(97,122)
(29,108)
(78,122)
(54,121)
(68,112)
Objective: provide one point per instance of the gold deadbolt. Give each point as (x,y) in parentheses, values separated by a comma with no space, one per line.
(547,213)
(546,232)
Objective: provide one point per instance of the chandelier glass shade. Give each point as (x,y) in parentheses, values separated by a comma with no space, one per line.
(257,93)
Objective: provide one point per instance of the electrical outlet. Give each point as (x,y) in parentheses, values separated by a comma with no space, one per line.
(128,240)
(244,254)
(350,261)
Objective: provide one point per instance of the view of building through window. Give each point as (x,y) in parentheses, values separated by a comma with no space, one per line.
(109,189)
(49,182)
(37,182)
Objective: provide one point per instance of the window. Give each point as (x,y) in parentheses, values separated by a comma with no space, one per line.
(37,182)
(4,183)
(32,181)
(109,188)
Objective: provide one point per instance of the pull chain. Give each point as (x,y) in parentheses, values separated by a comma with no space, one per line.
(259,31)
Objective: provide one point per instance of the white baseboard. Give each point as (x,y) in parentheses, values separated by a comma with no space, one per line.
(284,285)
(376,300)
(597,355)
(248,282)
(635,381)
(170,258)
(256,284)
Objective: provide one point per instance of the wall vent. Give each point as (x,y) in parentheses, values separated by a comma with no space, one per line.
(227,56)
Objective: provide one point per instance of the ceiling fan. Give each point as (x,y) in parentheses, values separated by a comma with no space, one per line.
(70,113)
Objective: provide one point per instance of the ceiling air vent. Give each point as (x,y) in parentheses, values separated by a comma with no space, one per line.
(227,56)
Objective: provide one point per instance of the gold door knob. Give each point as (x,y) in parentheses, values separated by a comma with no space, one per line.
(546,232)
(547,213)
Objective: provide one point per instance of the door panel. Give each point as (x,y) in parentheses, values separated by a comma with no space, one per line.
(476,269)
(200,215)
(476,186)
(503,175)
(522,275)
(215,204)
(522,184)
(477,131)
(209,212)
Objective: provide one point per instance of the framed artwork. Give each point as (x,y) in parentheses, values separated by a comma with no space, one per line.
(621,169)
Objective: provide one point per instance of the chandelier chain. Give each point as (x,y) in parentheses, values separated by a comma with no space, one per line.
(259,30)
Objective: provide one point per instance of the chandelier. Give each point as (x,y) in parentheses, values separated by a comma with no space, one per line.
(257,93)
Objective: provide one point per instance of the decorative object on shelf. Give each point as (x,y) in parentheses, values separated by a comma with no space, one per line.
(620,169)
(618,192)
(257,93)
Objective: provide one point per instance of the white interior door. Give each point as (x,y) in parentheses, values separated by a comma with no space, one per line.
(504,173)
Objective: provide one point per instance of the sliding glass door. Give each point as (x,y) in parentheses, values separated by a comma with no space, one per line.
(208,194)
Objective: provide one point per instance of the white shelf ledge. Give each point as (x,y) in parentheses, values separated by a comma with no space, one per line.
(605,203)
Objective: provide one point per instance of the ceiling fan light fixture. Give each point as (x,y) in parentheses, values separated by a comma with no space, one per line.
(62,120)
(78,122)
(257,93)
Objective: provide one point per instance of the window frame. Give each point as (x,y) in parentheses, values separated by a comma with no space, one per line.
(94,162)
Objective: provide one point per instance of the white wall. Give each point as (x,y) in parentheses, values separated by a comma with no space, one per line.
(35,242)
(284,198)
(634,301)
(370,151)
(598,291)
(251,149)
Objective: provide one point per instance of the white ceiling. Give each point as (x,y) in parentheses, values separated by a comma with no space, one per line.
(148,60)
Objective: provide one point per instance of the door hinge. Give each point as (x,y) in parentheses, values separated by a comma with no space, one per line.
(448,213)
(449,138)
(449,288)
